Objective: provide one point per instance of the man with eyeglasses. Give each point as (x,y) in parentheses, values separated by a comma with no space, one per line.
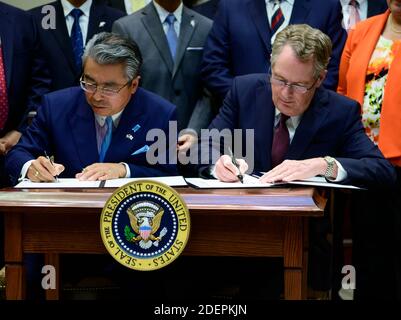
(96,131)
(322,128)
(301,130)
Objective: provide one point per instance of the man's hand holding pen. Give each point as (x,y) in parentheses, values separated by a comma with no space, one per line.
(227,171)
(43,170)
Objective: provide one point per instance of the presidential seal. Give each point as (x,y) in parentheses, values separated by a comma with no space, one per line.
(145,225)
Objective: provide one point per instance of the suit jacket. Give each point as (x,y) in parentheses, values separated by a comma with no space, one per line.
(331,126)
(177,81)
(376,7)
(56,43)
(27,78)
(358,50)
(207,9)
(233,49)
(65,128)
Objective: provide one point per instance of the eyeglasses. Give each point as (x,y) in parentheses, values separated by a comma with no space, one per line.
(296,87)
(104,90)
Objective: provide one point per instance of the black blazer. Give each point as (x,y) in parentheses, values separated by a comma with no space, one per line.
(56,43)
(26,76)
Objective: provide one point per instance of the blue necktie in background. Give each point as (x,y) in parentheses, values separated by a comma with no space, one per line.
(171,34)
(106,139)
(77,39)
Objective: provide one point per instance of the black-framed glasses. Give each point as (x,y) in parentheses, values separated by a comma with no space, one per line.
(107,91)
(298,88)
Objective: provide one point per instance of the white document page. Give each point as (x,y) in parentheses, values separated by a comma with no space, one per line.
(173,181)
(64,183)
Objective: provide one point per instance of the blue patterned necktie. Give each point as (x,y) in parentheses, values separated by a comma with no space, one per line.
(171,35)
(106,139)
(76,38)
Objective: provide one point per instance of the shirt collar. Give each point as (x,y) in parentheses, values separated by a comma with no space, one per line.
(346,2)
(163,13)
(85,8)
(295,120)
(102,119)
(291,2)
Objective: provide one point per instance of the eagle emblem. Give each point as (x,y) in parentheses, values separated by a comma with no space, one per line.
(145,218)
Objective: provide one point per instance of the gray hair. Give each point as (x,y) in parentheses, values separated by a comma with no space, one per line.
(111,48)
(307,42)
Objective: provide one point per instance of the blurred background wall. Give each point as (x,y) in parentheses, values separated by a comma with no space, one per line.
(26,4)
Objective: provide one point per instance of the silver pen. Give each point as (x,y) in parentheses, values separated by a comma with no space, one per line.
(52,163)
(235,163)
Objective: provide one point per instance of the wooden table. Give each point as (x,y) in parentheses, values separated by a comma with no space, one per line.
(224,222)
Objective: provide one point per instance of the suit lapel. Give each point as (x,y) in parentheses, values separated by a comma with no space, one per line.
(61,35)
(300,11)
(132,115)
(257,9)
(311,121)
(83,133)
(264,123)
(187,28)
(96,16)
(7,43)
(151,23)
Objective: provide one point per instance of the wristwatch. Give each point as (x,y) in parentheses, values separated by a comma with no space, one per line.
(330,167)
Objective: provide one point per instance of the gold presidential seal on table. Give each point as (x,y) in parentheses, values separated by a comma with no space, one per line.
(145,225)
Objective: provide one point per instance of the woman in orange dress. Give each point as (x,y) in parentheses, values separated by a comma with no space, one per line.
(370,72)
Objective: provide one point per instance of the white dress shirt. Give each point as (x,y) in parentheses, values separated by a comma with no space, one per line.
(163,13)
(286,8)
(83,20)
(363,10)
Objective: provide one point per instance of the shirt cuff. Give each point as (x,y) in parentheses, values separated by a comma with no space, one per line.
(128,175)
(24,170)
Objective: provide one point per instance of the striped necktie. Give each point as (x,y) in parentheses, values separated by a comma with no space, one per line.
(354,16)
(3,93)
(277,18)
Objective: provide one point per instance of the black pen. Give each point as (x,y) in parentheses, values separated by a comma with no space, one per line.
(235,163)
(52,163)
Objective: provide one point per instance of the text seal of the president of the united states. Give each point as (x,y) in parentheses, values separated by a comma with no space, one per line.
(145,225)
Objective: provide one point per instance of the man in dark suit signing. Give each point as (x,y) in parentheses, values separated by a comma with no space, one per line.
(97,131)
(62,46)
(233,49)
(301,130)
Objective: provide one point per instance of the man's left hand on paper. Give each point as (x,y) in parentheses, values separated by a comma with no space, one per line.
(42,170)
(102,171)
(290,170)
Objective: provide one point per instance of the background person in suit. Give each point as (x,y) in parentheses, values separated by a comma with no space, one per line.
(232,50)
(289,107)
(23,79)
(171,67)
(70,123)
(57,44)
(358,10)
